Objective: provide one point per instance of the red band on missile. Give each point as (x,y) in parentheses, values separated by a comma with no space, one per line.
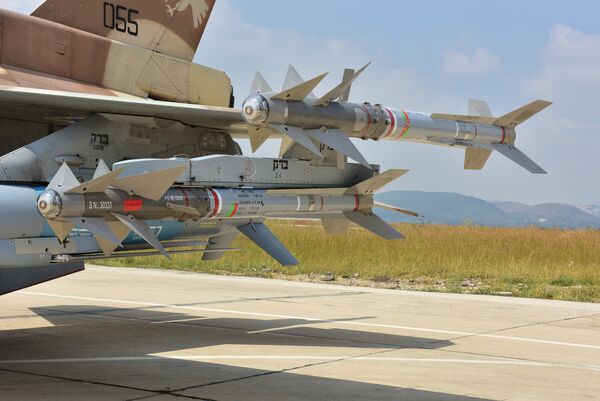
(133,205)
(185,197)
(356,203)
(503,134)
(217,203)
(392,127)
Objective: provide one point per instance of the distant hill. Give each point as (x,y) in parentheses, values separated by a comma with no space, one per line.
(454,209)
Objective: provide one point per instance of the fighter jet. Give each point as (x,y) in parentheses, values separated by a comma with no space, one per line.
(115,143)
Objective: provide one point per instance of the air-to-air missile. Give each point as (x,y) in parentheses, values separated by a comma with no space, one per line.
(209,192)
(298,115)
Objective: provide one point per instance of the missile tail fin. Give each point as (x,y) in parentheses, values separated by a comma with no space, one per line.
(519,157)
(216,243)
(475,158)
(340,142)
(376,182)
(522,114)
(335,226)
(300,136)
(385,206)
(367,187)
(479,108)
(373,223)
(141,228)
(265,239)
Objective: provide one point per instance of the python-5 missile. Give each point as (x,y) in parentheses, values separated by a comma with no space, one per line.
(110,206)
(331,120)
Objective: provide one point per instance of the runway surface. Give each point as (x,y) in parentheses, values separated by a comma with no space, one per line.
(132,334)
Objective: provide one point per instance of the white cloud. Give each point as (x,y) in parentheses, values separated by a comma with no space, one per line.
(570,75)
(239,48)
(481,62)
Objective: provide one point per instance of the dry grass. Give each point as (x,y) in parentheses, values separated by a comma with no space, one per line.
(529,262)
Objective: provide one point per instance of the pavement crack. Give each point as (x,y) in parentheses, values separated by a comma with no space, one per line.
(99,383)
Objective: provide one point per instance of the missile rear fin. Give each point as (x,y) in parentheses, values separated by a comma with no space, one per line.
(374,223)
(376,182)
(514,154)
(475,158)
(264,238)
(141,228)
(300,136)
(339,141)
(381,205)
(335,225)
(522,114)
(479,108)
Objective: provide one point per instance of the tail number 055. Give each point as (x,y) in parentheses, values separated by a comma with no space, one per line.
(121,18)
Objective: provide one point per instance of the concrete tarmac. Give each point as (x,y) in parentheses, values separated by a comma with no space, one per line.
(133,334)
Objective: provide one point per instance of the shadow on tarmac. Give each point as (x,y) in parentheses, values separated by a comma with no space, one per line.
(136,335)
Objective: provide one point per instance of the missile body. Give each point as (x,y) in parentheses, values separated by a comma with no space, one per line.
(139,199)
(193,203)
(375,122)
(331,120)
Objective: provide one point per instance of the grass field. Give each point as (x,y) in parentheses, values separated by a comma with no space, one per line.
(527,262)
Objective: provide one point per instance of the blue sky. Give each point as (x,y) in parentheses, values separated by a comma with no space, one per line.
(432,56)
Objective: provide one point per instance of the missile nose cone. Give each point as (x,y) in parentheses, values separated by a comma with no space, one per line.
(49,204)
(255,110)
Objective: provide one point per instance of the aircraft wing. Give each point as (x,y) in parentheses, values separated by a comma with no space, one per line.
(65,107)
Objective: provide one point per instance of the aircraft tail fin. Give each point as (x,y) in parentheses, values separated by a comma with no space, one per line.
(170,27)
